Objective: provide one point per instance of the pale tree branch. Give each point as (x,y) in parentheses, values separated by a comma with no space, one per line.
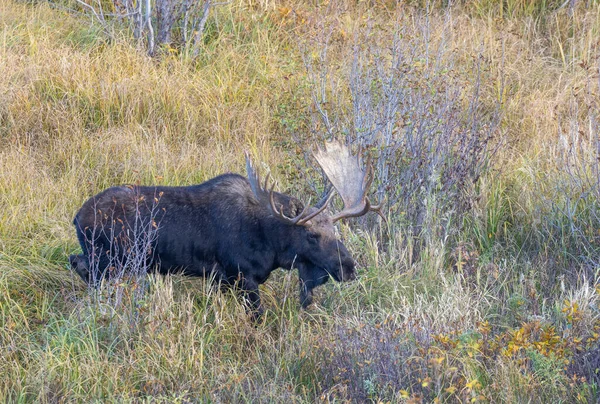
(160,22)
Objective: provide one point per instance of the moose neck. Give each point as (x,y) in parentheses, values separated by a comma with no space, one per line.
(284,239)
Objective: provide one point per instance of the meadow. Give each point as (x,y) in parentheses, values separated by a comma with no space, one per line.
(483,285)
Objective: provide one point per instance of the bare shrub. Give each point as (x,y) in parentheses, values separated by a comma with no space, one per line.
(119,276)
(160,22)
(384,362)
(585,366)
(572,209)
(401,97)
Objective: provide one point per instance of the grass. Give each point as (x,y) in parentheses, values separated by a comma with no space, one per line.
(507,309)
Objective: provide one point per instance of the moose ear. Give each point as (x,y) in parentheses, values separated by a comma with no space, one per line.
(296,207)
(289,206)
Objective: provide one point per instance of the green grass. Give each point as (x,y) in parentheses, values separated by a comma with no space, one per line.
(505,310)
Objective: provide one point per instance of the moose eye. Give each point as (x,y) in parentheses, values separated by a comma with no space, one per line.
(314,237)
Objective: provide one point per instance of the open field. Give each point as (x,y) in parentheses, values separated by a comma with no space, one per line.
(481,290)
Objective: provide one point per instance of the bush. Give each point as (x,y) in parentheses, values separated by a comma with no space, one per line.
(398,94)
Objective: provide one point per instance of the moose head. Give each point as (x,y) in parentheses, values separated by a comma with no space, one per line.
(315,250)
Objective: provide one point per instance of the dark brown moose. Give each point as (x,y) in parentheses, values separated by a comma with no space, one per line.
(230,227)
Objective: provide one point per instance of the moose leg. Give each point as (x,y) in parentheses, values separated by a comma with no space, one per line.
(306,287)
(252,297)
(217,276)
(310,278)
(306,294)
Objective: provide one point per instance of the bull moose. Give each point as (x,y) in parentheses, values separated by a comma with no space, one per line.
(230,227)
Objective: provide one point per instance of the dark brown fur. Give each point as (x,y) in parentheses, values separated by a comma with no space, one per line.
(218,227)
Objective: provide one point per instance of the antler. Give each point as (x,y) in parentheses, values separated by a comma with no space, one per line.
(350,180)
(266,197)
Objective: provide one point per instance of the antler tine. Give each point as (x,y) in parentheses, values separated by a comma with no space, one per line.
(253,177)
(267,178)
(369,175)
(316,212)
(377,209)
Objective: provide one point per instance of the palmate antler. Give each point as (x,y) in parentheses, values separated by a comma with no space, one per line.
(266,197)
(350,180)
(345,173)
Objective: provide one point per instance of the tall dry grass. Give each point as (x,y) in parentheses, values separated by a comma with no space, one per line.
(507,310)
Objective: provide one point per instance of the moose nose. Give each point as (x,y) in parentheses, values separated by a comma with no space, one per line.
(347,270)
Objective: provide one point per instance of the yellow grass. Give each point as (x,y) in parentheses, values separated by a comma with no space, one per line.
(80,112)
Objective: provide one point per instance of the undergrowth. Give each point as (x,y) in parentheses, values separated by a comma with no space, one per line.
(498,301)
